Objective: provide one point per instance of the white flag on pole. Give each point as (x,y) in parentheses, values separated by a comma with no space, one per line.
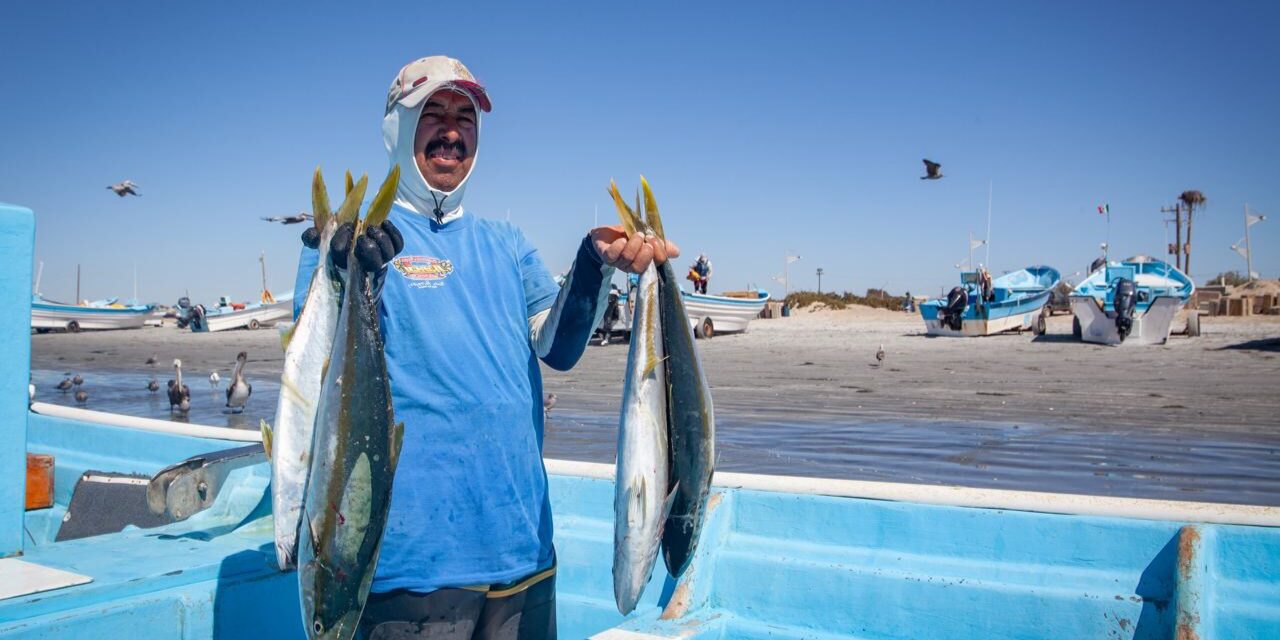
(1251,220)
(1244,253)
(780,280)
(974,244)
(791,259)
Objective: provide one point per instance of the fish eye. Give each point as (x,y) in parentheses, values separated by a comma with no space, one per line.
(319,628)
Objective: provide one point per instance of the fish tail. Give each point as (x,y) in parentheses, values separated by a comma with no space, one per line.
(266,439)
(350,184)
(651,216)
(624,212)
(319,201)
(381,204)
(350,209)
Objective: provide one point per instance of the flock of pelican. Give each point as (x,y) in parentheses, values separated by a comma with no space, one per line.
(179,393)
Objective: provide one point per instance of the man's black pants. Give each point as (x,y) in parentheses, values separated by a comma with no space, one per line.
(523,610)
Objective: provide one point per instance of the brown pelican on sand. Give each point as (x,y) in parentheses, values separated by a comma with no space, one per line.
(77,380)
(239,389)
(179,394)
(65,385)
(126,188)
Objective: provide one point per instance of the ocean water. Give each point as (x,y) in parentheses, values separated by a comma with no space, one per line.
(1170,464)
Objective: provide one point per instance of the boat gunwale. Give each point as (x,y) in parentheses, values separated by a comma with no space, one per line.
(937,495)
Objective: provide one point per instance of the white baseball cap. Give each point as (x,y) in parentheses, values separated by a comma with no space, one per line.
(425,76)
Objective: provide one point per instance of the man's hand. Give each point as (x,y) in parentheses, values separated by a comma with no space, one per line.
(374,248)
(633,254)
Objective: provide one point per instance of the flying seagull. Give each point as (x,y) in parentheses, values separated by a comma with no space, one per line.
(126,188)
(302,216)
(932,169)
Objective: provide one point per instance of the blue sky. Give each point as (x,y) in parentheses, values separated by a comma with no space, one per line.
(764,128)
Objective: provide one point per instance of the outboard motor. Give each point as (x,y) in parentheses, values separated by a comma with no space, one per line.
(1126,301)
(184,312)
(952,314)
(197,318)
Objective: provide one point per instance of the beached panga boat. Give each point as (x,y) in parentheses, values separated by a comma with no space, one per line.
(253,316)
(1018,300)
(780,557)
(708,314)
(1129,302)
(48,315)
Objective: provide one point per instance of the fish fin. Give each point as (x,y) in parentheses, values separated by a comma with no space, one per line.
(286,330)
(266,439)
(350,183)
(651,216)
(319,201)
(397,439)
(381,204)
(624,212)
(666,506)
(350,209)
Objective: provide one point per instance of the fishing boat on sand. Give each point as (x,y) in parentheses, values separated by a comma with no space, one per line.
(141,528)
(250,316)
(48,315)
(1014,302)
(1129,302)
(709,315)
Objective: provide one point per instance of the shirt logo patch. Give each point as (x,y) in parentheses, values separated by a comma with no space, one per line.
(423,272)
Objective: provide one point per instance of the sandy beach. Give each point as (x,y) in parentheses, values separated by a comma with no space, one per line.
(1196,418)
(822,364)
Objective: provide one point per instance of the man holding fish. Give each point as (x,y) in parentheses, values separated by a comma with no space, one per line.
(466,310)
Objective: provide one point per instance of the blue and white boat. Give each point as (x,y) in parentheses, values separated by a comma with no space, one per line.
(1129,302)
(1014,303)
(47,315)
(708,314)
(184,548)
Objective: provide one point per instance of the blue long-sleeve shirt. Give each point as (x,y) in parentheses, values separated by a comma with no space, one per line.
(467,308)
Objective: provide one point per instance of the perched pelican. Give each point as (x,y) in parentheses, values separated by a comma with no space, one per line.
(179,394)
(65,385)
(932,170)
(215,380)
(153,386)
(547,404)
(302,216)
(77,380)
(880,355)
(82,396)
(239,389)
(126,188)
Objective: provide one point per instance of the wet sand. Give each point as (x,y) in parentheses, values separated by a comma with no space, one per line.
(1194,419)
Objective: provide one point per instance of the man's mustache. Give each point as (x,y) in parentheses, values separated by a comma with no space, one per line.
(445,145)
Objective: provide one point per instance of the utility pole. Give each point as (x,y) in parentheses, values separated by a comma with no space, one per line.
(819,280)
(1177,236)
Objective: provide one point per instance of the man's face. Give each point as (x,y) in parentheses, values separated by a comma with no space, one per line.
(445,144)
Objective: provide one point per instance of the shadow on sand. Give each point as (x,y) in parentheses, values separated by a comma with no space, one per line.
(1265,344)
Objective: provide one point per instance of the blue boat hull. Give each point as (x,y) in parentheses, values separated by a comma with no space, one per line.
(1019,297)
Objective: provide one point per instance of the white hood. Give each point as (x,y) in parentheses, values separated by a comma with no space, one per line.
(413,193)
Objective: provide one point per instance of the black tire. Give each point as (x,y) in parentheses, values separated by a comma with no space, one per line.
(1076,330)
(1040,326)
(707,329)
(73,327)
(254,325)
(1193,325)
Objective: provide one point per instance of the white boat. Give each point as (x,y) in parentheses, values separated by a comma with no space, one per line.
(253,316)
(1150,293)
(47,315)
(708,315)
(723,314)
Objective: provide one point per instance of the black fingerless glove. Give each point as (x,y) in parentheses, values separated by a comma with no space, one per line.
(311,238)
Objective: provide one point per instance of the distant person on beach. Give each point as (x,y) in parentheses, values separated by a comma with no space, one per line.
(467,309)
(612,311)
(700,273)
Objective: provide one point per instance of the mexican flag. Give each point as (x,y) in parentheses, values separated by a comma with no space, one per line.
(1104,209)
